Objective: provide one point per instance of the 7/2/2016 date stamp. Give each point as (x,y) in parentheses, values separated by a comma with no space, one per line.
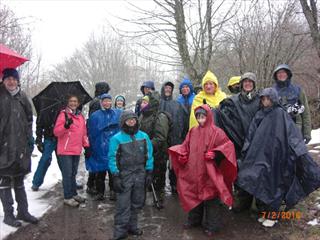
(283,215)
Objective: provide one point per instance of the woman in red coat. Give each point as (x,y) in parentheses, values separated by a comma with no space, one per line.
(71,132)
(205,165)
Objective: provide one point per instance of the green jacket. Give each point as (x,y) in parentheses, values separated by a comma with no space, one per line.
(290,94)
(156,124)
(303,120)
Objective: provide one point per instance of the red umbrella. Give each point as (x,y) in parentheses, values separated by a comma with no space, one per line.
(9,58)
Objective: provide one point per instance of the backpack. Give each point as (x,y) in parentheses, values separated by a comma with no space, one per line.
(170,124)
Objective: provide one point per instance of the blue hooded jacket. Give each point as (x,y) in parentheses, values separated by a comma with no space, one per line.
(102,125)
(186,101)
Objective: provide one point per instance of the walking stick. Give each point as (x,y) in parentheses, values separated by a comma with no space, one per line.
(155,198)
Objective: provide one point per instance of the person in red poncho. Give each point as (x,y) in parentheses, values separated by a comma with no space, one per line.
(206,167)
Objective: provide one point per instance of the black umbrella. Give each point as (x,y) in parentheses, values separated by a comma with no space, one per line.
(51,100)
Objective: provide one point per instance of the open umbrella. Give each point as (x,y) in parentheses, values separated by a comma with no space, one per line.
(9,58)
(51,100)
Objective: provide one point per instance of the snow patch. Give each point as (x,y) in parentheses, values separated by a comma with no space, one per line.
(314,151)
(315,136)
(314,222)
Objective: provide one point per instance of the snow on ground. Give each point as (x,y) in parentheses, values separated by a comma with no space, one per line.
(314,222)
(37,205)
(315,136)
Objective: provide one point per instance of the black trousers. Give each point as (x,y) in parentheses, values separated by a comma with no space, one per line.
(96,180)
(206,214)
(6,184)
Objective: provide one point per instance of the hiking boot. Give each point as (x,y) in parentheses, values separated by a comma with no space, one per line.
(27,217)
(71,202)
(113,196)
(7,202)
(79,199)
(35,188)
(261,219)
(137,232)
(10,220)
(269,223)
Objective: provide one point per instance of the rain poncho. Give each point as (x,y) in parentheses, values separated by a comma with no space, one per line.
(200,179)
(276,165)
(235,113)
(212,100)
(102,125)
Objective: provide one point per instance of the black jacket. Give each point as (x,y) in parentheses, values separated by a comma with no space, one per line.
(234,116)
(15,133)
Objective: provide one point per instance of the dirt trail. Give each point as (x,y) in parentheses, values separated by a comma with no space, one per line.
(94,220)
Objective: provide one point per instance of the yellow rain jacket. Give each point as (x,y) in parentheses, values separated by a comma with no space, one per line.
(234,80)
(212,100)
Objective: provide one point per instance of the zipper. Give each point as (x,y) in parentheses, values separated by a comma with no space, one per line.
(65,146)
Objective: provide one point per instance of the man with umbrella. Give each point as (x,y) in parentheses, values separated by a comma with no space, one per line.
(46,143)
(16,146)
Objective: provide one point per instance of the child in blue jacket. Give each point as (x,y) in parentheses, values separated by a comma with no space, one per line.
(131,165)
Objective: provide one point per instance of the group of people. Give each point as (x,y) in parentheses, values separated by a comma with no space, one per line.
(217,148)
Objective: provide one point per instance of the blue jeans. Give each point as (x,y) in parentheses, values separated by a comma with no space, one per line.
(69,167)
(49,145)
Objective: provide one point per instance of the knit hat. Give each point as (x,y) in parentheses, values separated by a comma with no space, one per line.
(10,72)
(200,111)
(248,75)
(148,84)
(104,96)
(101,87)
(120,98)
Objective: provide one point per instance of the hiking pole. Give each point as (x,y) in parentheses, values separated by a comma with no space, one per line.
(155,198)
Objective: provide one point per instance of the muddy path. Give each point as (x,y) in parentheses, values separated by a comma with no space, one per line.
(94,220)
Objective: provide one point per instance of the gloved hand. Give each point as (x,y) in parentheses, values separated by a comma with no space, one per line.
(210,155)
(307,140)
(68,123)
(87,152)
(149,178)
(183,159)
(117,184)
(31,144)
(39,144)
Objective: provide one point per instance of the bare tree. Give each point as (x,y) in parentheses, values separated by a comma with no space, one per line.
(263,37)
(15,33)
(310,11)
(181,32)
(107,58)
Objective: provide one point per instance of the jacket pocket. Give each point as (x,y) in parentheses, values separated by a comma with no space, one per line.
(67,141)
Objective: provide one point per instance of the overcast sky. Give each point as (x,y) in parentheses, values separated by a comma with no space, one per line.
(61,26)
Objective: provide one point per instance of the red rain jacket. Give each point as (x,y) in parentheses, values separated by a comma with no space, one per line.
(200,179)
